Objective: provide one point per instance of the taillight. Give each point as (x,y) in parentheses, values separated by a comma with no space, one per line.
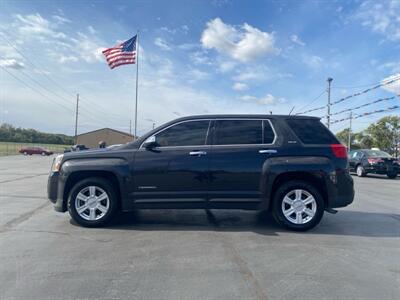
(374,160)
(339,150)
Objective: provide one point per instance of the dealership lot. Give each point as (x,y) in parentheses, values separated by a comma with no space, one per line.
(194,254)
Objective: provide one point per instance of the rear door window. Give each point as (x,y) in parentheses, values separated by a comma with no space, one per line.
(311,131)
(238,132)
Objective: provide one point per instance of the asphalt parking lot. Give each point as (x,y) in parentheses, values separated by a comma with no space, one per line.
(192,254)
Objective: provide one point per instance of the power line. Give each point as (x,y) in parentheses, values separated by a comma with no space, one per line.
(363,105)
(366,91)
(44,73)
(395,107)
(34,89)
(351,96)
(312,101)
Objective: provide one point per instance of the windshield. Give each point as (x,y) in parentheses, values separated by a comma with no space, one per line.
(377,153)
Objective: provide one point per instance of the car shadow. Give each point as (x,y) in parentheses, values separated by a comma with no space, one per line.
(345,222)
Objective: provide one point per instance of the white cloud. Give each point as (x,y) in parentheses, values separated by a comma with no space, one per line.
(33,25)
(199,58)
(161,43)
(381,17)
(246,44)
(251,74)
(295,39)
(392,87)
(226,66)
(61,19)
(12,64)
(313,61)
(196,74)
(266,100)
(65,59)
(240,86)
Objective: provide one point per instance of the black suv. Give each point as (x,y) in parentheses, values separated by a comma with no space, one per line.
(366,161)
(290,165)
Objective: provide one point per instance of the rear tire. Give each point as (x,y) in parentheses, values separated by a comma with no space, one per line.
(360,171)
(93,202)
(392,175)
(298,206)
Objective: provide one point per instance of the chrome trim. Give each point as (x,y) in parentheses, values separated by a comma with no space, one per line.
(267,151)
(197,153)
(209,125)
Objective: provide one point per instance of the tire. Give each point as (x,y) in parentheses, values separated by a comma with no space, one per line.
(288,191)
(84,189)
(360,171)
(392,175)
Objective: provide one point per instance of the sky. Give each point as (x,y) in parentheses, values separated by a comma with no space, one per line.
(195,57)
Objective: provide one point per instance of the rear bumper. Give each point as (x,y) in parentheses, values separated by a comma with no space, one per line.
(382,169)
(341,192)
(55,192)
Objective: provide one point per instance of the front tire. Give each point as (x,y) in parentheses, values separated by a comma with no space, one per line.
(298,205)
(392,175)
(92,202)
(360,171)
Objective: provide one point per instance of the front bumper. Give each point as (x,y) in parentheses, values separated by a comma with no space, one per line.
(55,191)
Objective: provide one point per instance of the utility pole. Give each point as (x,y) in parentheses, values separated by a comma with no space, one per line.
(76,118)
(328,112)
(130,126)
(349,142)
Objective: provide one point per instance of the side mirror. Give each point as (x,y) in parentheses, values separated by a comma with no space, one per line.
(150,143)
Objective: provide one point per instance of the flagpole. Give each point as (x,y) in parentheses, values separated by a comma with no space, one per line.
(137,80)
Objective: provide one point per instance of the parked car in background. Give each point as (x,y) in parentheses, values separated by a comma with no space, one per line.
(292,166)
(366,161)
(74,148)
(35,150)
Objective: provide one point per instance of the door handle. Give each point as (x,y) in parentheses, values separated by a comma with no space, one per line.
(197,153)
(269,151)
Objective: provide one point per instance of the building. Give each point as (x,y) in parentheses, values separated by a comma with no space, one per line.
(110,136)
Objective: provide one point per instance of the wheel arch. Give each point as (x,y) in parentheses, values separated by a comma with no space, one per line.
(317,181)
(77,176)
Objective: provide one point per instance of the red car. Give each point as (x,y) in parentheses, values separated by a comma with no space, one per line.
(35,150)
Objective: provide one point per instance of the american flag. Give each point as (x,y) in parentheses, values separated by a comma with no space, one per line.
(122,54)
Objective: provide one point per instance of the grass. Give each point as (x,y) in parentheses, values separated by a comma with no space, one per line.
(8,148)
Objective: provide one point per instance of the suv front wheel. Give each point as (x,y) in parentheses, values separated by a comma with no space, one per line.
(298,205)
(92,202)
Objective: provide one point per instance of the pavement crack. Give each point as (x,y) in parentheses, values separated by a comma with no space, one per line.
(22,218)
(24,177)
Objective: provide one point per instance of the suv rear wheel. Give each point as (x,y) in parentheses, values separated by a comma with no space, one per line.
(92,202)
(298,205)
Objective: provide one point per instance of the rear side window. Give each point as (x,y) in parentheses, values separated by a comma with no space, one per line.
(238,132)
(192,133)
(311,131)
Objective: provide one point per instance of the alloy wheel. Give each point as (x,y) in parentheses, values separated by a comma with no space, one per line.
(299,206)
(92,203)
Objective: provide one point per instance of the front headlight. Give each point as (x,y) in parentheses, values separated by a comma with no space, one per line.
(57,163)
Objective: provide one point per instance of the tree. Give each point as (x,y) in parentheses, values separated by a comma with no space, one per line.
(385,134)
(343,137)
